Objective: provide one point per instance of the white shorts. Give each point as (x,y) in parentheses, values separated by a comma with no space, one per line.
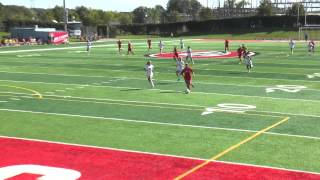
(150,75)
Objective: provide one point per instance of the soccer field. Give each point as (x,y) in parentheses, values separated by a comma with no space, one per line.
(97,114)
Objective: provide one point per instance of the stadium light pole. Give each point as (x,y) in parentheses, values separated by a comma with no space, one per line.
(298,13)
(65,16)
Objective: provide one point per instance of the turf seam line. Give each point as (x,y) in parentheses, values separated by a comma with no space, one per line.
(230,149)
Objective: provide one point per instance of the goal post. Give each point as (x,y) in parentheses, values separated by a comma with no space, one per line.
(311,32)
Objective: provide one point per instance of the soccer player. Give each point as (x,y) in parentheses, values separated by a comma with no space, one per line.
(188,73)
(181,44)
(244,48)
(248,61)
(175,53)
(130,48)
(240,53)
(292,45)
(180,67)
(226,45)
(161,46)
(149,72)
(189,55)
(119,42)
(89,45)
(311,46)
(149,44)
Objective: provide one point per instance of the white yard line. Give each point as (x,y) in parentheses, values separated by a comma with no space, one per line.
(151,153)
(64,48)
(161,123)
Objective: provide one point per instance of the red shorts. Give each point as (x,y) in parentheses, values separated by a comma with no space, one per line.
(188,81)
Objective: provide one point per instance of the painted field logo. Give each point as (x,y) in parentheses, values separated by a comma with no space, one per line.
(200,54)
(227,107)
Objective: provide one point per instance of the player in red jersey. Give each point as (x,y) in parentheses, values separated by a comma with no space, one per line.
(240,54)
(130,48)
(311,47)
(188,73)
(175,53)
(149,44)
(226,45)
(119,42)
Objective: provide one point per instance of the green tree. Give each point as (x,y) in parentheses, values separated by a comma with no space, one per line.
(58,13)
(241,4)
(195,7)
(188,7)
(293,10)
(206,14)
(83,13)
(173,16)
(265,8)
(156,14)
(125,18)
(140,14)
(230,4)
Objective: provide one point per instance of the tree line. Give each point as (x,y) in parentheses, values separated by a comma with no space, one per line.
(176,10)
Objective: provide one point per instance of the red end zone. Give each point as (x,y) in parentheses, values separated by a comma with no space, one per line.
(199,54)
(29,160)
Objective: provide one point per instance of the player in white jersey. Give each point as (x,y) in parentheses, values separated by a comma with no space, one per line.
(248,61)
(89,45)
(161,46)
(181,44)
(189,55)
(292,45)
(180,67)
(149,72)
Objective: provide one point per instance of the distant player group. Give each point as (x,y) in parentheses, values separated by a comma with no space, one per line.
(183,68)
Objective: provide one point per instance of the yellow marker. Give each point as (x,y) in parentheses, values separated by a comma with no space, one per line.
(36,93)
(230,149)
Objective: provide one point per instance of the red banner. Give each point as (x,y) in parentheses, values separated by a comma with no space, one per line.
(58,37)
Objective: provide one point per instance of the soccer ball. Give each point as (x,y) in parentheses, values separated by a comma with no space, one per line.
(188,91)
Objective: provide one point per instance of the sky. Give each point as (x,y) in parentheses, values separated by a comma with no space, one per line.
(113,5)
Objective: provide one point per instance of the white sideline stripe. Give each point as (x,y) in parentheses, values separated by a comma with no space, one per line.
(156,154)
(64,48)
(3,101)
(198,82)
(159,123)
(195,92)
(141,103)
(128,120)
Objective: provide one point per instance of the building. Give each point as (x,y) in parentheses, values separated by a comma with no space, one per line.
(41,35)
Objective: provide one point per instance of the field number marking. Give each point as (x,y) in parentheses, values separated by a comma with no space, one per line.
(286,88)
(228,107)
(48,173)
(311,76)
